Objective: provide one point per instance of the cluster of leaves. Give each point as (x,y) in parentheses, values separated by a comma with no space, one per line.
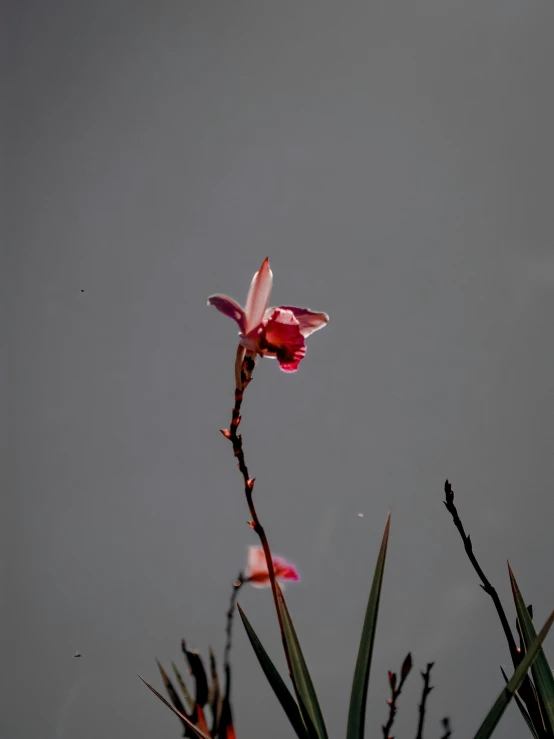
(207,694)
(533,694)
(280,333)
(305,714)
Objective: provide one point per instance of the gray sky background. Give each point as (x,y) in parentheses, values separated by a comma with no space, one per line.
(394,159)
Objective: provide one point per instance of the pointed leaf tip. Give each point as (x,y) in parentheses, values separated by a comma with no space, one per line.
(182,716)
(360,683)
(541,670)
(281,691)
(163,673)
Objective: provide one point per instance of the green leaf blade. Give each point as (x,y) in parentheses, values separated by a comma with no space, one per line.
(307,697)
(495,714)
(275,680)
(542,674)
(524,712)
(360,683)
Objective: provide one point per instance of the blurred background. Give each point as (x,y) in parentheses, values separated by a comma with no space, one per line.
(394,160)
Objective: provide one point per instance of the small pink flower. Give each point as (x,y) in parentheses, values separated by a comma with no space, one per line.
(257,573)
(271,332)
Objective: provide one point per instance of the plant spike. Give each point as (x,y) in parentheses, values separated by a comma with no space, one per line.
(360,683)
(542,674)
(182,685)
(521,707)
(276,682)
(501,703)
(182,716)
(307,698)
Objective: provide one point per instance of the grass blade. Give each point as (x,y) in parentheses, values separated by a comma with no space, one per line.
(495,714)
(283,694)
(309,705)
(184,689)
(215,699)
(524,712)
(171,691)
(542,674)
(182,716)
(358,696)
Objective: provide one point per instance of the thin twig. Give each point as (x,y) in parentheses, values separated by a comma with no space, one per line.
(447,729)
(395,692)
(485,582)
(526,691)
(244,368)
(237,584)
(427,688)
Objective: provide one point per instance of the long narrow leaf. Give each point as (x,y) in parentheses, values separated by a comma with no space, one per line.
(199,674)
(182,716)
(184,689)
(283,694)
(215,699)
(524,712)
(309,705)
(495,714)
(172,692)
(542,674)
(358,696)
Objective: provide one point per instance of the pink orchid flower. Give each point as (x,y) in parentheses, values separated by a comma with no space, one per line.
(271,332)
(257,573)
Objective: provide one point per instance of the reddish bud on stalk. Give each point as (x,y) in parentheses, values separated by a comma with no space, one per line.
(407,666)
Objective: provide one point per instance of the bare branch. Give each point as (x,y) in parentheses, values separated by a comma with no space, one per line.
(526,691)
(427,688)
(395,692)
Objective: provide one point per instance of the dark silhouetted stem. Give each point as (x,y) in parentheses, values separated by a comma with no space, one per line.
(244,368)
(526,691)
(485,582)
(395,693)
(238,583)
(427,688)
(446,726)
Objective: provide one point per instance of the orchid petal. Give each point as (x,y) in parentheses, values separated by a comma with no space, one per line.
(230,308)
(258,296)
(257,573)
(284,570)
(281,337)
(308,320)
(256,560)
(259,580)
